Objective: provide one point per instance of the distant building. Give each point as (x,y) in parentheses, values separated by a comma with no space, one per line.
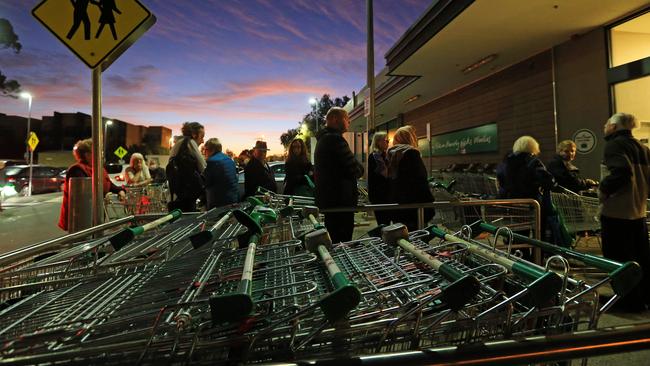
(62,130)
(13,135)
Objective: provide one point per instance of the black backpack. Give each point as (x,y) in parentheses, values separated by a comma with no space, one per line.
(183,177)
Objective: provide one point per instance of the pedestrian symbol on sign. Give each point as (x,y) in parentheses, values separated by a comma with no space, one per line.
(80,15)
(120,152)
(82,25)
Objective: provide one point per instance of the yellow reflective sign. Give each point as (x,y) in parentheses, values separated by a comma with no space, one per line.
(32,141)
(97,31)
(120,152)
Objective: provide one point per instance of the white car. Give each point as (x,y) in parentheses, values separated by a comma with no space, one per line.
(116,173)
(278,171)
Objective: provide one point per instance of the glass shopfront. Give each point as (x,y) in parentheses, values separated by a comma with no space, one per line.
(629,70)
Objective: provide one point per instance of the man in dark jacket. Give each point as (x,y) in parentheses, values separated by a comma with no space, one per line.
(623,196)
(257,172)
(336,172)
(565,173)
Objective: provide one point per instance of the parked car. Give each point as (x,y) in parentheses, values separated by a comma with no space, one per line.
(116,173)
(278,171)
(44,178)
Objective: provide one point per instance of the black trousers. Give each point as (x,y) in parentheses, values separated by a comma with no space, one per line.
(627,240)
(340,226)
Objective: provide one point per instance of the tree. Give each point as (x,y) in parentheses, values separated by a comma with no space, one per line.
(313,121)
(287,137)
(8,39)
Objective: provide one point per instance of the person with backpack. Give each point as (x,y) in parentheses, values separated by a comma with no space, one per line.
(186,164)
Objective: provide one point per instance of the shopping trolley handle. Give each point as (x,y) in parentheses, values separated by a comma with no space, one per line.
(460,292)
(625,278)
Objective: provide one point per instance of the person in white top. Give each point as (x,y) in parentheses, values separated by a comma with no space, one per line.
(137,173)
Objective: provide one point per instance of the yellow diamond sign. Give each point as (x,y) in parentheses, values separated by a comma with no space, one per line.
(32,141)
(97,31)
(120,152)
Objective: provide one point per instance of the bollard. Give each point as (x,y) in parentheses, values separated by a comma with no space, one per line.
(80,213)
(462,288)
(346,296)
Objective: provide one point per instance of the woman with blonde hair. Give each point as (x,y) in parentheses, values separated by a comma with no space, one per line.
(137,173)
(378,183)
(523,175)
(565,173)
(408,177)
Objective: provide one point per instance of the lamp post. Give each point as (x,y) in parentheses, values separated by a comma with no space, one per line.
(28,96)
(313,102)
(106,124)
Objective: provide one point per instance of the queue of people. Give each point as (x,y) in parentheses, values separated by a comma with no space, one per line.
(397,175)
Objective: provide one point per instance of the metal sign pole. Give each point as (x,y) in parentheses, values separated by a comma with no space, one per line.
(370,56)
(31,152)
(98,149)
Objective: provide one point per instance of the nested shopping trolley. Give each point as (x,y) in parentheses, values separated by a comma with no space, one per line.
(579,214)
(227,300)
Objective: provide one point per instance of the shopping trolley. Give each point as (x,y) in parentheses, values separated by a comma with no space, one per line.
(579,214)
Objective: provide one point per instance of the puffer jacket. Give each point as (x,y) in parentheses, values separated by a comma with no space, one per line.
(625,189)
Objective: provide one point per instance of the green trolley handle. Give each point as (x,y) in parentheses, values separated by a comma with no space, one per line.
(624,276)
(462,288)
(543,285)
(122,238)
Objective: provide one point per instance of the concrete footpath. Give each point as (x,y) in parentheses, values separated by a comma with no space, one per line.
(29,220)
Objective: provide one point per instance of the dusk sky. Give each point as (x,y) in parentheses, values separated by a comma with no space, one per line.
(243,68)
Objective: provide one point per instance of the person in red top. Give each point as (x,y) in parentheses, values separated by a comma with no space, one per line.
(82,152)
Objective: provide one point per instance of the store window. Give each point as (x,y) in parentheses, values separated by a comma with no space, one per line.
(630,41)
(630,80)
(632,97)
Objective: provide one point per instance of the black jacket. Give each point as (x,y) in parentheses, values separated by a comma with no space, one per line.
(335,171)
(256,175)
(566,174)
(523,176)
(408,183)
(378,184)
(295,171)
(625,190)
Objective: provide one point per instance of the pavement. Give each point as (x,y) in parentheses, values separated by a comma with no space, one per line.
(29,220)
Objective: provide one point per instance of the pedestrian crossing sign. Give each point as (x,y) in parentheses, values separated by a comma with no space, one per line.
(120,152)
(32,141)
(97,31)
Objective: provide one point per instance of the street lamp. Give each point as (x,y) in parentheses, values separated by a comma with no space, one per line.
(106,124)
(314,102)
(28,96)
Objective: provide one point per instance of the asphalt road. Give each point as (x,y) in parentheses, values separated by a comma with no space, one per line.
(29,220)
